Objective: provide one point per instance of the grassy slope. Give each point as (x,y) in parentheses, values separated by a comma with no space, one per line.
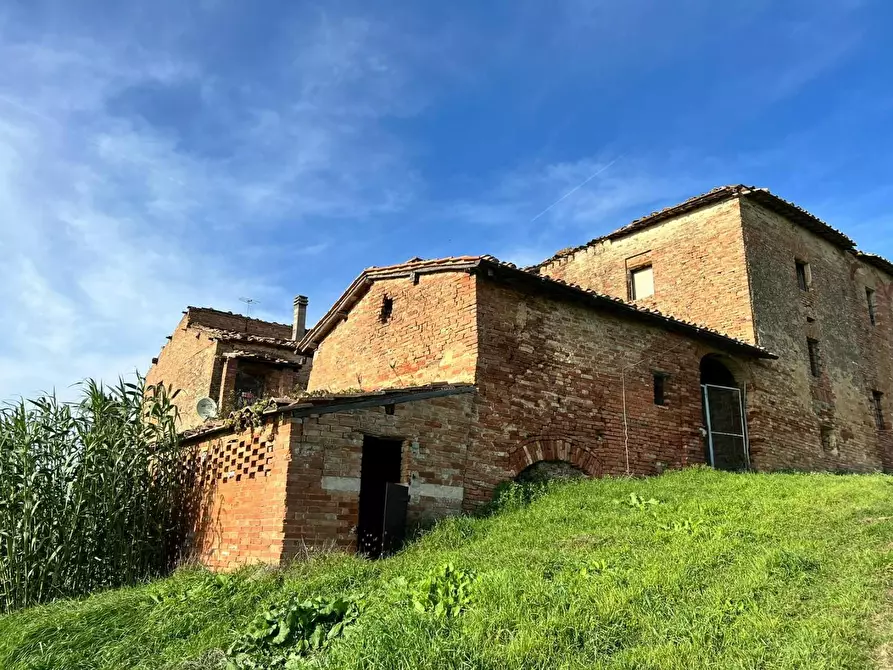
(779,571)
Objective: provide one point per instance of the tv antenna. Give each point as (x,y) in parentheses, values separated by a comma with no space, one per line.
(248,302)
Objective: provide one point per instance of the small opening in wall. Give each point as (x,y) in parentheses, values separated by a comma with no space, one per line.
(387,309)
(815,366)
(804,275)
(872,305)
(389,409)
(877,405)
(660,389)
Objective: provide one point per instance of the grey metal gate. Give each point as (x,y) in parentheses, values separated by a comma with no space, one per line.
(727,447)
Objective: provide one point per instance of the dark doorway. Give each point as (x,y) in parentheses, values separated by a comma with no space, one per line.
(383,500)
(725,445)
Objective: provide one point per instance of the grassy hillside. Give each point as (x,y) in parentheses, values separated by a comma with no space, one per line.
(724,571)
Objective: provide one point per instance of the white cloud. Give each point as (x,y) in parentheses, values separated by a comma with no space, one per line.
(110,225)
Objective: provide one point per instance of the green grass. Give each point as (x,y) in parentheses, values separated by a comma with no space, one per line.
(728,571)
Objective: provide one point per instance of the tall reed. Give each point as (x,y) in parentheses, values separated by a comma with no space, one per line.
(92,493)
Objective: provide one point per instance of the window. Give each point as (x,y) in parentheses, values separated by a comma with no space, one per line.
(877,406)
(814,360)
(660,389)
(641,283)
(387,309)
(872,305)
(804,275)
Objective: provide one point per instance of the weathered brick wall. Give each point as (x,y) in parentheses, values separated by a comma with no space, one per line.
(186,363)
(551,387)
(699,268)
(430,336)
(324,481)
(212,318)
(243,477)
(790,406)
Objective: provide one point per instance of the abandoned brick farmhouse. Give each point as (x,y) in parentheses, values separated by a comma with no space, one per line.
(734,329)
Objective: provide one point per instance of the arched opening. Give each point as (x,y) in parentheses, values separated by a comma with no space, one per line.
(715,372)
(544,471)
(725,444)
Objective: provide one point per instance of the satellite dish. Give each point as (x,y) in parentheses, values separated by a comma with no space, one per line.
(206,408)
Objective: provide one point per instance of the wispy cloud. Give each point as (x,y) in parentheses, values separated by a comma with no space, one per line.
(112,222)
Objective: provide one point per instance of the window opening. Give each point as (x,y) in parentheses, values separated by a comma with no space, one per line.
(814,360)
(877,402)
(641,283)
(387,309)
(803,275)
(660,389)
(872,305)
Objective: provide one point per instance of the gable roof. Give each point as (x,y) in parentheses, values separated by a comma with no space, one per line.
(493,268)
(761,196)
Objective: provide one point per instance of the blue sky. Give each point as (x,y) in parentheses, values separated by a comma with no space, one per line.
(156,155)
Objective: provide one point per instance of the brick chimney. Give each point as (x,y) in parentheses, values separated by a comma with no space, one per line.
(299,325)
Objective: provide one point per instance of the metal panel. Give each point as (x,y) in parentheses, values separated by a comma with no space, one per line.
(394,522)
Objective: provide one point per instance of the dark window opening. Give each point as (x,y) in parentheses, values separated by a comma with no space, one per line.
(389,409)
(872,306)
(387,309)
(803,275)
(815,366)
(249,387)
(660,389)
(877,403)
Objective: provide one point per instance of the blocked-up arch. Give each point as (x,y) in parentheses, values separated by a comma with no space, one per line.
(551,448)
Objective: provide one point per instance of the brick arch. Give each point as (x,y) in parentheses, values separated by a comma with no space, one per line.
(553,448)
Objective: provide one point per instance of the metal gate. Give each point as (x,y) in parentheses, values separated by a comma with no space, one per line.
(727,447)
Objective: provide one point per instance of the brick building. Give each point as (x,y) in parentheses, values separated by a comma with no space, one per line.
(231,359)
(734,329)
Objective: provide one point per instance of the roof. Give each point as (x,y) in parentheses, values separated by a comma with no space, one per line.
(315,405)
(761,196)
(209,317)
(265,358)
(877,261)
(232,336)
(493,268)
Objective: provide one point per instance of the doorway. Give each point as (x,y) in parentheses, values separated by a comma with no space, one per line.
(726,446)
(383,500)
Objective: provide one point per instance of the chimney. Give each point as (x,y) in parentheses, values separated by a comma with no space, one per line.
(299,325)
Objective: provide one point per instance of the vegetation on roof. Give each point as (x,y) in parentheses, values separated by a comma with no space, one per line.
(693,569)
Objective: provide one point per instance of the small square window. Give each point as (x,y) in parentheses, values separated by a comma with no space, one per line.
(660,389)
(870,296)
(641,282)
(804,275)
(877,405)
(815,361)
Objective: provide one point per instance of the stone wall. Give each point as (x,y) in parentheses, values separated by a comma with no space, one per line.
(552,378)
(324,482)
(429,336)
(238,323)
(271,493)
(698,262)
(791,406)
(186,364)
